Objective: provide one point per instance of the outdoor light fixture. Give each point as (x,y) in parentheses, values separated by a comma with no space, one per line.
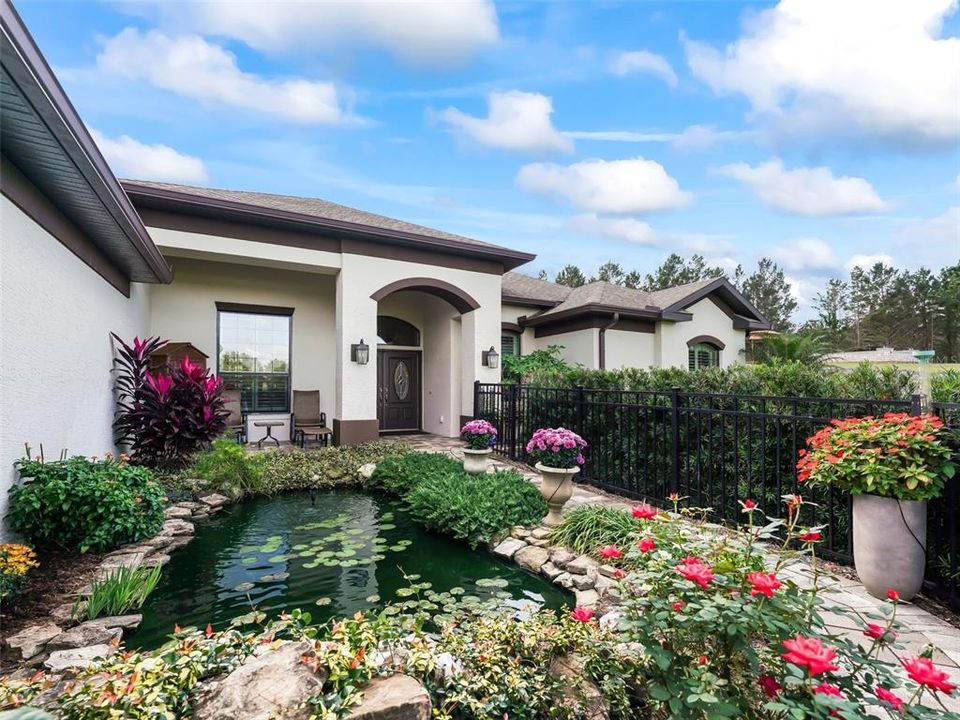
(490,358)
(360,353)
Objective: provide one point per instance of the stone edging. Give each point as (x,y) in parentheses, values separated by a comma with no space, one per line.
(59,644)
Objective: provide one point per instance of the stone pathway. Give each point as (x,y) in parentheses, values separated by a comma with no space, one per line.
(921,629)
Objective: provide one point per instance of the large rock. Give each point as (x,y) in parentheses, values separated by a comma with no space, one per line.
(124,622)
(579,693)
(398,697)
(214,500)
(271,685)
(551,571)
(92,632)
(367,470)
(532,558)
(582,565)
(584,582)
(69,661)
(30,641)
(176,528)
(177,513)
(508,548)
(561,556)
(586,598)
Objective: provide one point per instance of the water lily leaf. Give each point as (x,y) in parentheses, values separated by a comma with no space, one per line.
(323,601)
(243,587)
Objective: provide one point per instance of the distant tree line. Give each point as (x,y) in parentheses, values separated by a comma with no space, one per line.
(872,307)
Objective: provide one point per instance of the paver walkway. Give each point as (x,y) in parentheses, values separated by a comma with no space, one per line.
(921,629)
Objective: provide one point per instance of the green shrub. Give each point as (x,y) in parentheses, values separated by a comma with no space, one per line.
(398,475)
(122,590)
(85,504)
(324,467)
(229,469)
(475,507)
(589,527)
(945,386)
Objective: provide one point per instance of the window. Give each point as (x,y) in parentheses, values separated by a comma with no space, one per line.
(254,356)
(509,343)
(703,355)
(394,331)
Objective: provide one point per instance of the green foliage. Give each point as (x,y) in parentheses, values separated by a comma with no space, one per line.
(768,290)
(805,348)
(229,469)
(16,560)
(122,590)
(945,386)
(517,368)
(589,527)
(85,504)
(323,467)
(475,507)
(399,475)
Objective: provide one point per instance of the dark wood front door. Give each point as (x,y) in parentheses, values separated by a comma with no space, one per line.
(398,391)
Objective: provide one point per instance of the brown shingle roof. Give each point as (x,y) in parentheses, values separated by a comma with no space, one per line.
(524,287)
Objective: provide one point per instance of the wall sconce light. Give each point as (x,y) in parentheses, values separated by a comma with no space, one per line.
(490,358)
(360,353)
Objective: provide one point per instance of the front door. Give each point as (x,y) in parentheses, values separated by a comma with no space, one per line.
(398,389)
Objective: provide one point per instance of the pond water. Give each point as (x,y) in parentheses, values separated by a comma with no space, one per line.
(287,552)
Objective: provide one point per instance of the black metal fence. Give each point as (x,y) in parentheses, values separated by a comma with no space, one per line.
(714,450)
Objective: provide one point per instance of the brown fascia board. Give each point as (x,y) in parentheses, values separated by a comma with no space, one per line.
(528,302)
(625,313)
(57,112)
(758,322)
(171,200)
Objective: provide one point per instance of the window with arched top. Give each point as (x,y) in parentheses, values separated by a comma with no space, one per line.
(703,354)
(394,331)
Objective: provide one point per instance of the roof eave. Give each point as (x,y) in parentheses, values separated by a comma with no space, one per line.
(593,309)
(173,200)
(528,301)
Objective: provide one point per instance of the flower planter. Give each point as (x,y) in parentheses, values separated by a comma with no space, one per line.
(556,486)
(889,544)
(475,461)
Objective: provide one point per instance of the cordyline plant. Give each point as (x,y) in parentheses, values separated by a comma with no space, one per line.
(898,456)
(727,633)
(165,417)
(479,434)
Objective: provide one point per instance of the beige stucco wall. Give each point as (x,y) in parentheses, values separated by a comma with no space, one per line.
(528,340)
(708,319)
(629,349)
(56,315)
(186,311)
(580,347)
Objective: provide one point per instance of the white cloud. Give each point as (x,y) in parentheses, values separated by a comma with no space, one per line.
(515,121)
(644,61)
(694,137)
(190,66)
(811,255)
(814,192)
(417,31)
(134,159)
(934,242)
(608,186)
(618,228)
(874,69)
(868,261)
(698,137)
(627,136)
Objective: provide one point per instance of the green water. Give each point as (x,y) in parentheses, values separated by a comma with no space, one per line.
(289,551)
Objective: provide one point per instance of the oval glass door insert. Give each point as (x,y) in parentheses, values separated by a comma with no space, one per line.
(401,380)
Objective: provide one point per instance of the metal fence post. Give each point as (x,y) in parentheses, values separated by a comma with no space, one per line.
(675,439)
(578,410)
(916,404)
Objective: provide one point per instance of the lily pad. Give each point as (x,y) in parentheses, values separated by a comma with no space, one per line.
(243,587)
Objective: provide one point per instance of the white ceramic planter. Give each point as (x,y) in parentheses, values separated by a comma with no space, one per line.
(889,544)
(475,461)
(556,486)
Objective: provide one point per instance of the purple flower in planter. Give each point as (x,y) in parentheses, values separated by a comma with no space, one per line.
(557,447)
(479,434)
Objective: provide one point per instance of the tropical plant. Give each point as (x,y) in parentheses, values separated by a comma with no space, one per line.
(15,562)
(229,469)
(556,447)
(120,591)
(897,455)
(475,507)
(479,434)
(945,386)
(520,368)
(807,348)
(85,504)
(399,475)
(589,527)
(165,417)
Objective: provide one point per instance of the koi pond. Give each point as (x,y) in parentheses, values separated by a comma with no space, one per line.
(332,553)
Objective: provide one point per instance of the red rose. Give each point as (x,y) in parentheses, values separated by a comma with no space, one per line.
(810,537)
(582,614)
(832,691)
(923,672)
(619,574)
(677,606)
(702,660)
(696,572)
(889,698)
(878,632)
(646,545)
(610,552)
(763,583)
(770,685)
(893,595)
(809,653)
(749,504)
(644,512)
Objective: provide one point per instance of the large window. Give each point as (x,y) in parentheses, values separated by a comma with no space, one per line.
(509,343)
(703,355)
(394,331)
(254,356)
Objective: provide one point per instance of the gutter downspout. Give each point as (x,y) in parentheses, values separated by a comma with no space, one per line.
(602,343)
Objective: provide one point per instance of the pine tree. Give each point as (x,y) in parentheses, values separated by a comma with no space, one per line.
(768,290)
(571,276)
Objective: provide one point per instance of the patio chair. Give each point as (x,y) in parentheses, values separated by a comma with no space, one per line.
(308,421)
(237,420)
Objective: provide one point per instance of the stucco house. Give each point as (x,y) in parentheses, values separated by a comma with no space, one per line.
(392,322)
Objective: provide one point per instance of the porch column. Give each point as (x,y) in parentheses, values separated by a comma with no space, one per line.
(355,419)
(481,331)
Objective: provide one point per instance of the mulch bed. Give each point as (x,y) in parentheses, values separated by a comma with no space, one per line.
(57,580)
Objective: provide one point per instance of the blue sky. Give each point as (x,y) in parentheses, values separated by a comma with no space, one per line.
(823,134)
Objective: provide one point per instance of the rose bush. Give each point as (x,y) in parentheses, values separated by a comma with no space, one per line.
(897,455)
(557,448)
(479,434)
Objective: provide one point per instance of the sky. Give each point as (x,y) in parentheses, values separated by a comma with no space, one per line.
(822,133)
